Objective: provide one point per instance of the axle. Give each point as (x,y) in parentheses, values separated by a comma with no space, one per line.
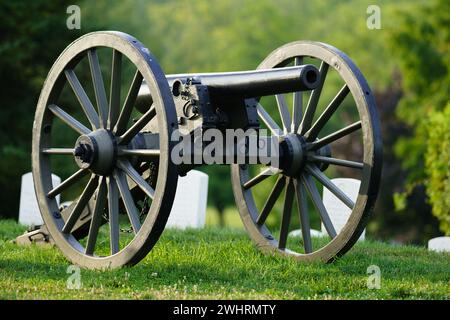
(245,84)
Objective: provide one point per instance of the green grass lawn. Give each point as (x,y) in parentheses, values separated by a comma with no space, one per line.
(223,264)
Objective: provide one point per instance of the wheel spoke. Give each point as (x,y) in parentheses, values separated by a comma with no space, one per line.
(114,96)
(138,126)
(129,104)
(67,183)
(334,136)
(96,220)
(287,211)
(338,162)
(147,153)
(284,112)
(274,194)
(83,99)
(297,102)
(259,178)
(302,205)
(315,196)
(268,121)
(99,87)
(113,209)
(136,177)
(128,200)
(68,119)
(58,151)
(326,115)
(323,179)
(313,100)
(81,204)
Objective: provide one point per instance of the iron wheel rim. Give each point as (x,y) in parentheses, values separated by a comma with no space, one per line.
(164,192)
(366,106)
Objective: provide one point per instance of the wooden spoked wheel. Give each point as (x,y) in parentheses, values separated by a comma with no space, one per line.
(332,133)
(120,169)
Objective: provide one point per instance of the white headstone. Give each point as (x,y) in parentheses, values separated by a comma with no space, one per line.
(29,213)
(439,244)
(189,206)
(298,233)
(338,211)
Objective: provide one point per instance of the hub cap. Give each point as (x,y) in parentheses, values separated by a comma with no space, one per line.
(96,151)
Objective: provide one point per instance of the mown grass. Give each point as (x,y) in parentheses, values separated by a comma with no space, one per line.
(223,264)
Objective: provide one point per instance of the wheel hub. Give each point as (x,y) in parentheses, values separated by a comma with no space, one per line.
(84,153)
(96,151)
(294,154)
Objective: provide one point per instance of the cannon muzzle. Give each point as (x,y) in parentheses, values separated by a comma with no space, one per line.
(245,84)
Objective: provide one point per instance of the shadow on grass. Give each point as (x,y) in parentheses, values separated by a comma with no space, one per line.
(222,264)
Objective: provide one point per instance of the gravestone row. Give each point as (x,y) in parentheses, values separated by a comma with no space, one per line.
(188,210)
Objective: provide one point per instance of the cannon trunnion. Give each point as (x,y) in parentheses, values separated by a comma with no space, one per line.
(128,131)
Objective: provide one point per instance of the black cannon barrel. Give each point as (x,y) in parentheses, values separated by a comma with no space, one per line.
(246,84)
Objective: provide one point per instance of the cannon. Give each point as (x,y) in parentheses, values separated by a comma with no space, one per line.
(126,154)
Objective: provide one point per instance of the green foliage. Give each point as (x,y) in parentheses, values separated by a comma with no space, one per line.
(205,35)
(421,46)
(437,161)
(32,34)
(202,36)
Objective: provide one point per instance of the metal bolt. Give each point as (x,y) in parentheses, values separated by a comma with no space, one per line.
(79,151)
(83,152)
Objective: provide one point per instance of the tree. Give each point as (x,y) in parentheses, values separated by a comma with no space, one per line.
(421,45)
(32,34)
(437,166)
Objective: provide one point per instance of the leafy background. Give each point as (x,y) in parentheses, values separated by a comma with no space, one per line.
(406,63)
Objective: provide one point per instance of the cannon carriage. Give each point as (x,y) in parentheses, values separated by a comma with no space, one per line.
(125,176)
